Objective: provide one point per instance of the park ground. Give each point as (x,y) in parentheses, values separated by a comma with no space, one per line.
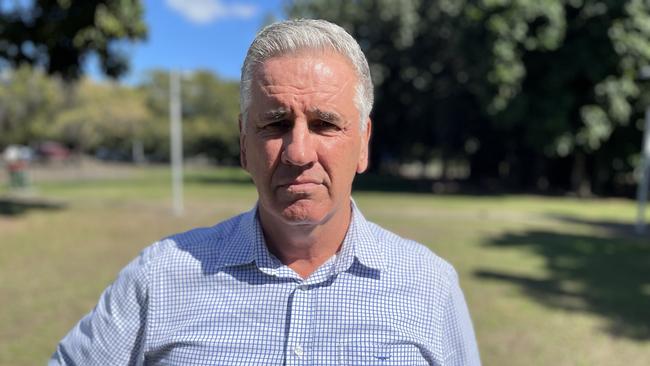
(549,280)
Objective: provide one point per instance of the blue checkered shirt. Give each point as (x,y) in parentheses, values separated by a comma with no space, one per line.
(216,296)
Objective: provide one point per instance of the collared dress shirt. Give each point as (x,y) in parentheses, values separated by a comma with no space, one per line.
(216,296)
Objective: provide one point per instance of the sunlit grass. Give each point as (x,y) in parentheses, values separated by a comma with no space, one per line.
(534,269)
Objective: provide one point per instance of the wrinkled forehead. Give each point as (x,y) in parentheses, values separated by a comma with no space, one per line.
(316,83)
(311,78)
(326,64)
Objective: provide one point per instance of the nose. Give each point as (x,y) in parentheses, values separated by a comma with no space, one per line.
(299,146)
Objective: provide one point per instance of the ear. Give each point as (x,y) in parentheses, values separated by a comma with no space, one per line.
(362,165)
(242,144)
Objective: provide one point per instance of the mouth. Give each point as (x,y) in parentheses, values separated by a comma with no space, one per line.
(301,185)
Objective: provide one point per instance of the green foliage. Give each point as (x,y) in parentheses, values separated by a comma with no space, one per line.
(91,117)
(60,34)
(101,115)
(542,90)
(28,99)
(210,109)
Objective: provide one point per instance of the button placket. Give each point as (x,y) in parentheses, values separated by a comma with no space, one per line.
(298,326)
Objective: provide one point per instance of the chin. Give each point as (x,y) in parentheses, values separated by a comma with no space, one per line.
(304,212)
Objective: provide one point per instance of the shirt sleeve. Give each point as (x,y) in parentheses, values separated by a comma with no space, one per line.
(113,332)
(461,347)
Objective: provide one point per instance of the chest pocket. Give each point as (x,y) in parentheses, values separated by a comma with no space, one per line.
(374,353)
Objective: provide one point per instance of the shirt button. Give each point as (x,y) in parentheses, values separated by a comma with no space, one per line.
(303,287)
(298,351)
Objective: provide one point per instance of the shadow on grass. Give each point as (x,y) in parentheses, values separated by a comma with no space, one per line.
(389,183)
(605,275)
(15,206)
(372,182)
(617,229)
(213,179)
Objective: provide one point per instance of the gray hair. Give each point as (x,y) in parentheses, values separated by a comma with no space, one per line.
(291,36)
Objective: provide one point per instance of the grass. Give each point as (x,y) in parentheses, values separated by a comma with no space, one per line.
(556,281)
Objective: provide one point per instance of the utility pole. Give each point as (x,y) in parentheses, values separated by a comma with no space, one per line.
(176,141)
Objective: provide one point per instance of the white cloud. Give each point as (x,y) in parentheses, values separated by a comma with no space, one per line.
(207,11)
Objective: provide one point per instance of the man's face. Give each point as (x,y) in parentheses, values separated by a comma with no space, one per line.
(302,143)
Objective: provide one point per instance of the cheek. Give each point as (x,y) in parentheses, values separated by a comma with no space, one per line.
(268,152)
(339,160)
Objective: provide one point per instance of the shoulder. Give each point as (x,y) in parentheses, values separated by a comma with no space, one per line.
(198,246)
(411,259)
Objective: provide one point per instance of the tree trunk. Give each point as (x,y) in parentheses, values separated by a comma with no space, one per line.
(580,183)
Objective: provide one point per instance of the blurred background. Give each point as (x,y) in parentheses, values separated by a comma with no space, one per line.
(508,137)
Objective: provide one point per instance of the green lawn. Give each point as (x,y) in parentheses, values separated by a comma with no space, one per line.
(549,281)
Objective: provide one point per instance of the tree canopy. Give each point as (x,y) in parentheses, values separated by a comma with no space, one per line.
(535,93)
(59,35)
(28,100)
(93,117)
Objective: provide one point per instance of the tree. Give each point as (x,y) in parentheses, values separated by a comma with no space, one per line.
(578,93)
(28,100)
(532,92)
(60,34)
(210,109)
(101,115)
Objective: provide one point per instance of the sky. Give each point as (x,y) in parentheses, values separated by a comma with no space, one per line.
(188,35)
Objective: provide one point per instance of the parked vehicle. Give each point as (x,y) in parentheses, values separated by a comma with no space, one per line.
(51,151)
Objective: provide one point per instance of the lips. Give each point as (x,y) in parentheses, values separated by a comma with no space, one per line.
(301,185)
(302,182)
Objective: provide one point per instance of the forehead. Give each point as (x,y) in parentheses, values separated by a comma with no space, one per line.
(306,71)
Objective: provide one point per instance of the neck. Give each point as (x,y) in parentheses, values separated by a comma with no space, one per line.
(304,247)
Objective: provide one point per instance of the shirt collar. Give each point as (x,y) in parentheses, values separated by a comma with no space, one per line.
(246,244)
(360,243)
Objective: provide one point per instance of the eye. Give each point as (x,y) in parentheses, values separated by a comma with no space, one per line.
(280,125)
(323,126)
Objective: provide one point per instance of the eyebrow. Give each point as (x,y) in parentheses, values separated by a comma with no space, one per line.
(326,116)
(282,113)
(275,114)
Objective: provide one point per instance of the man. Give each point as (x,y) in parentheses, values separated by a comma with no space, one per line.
(302,278)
